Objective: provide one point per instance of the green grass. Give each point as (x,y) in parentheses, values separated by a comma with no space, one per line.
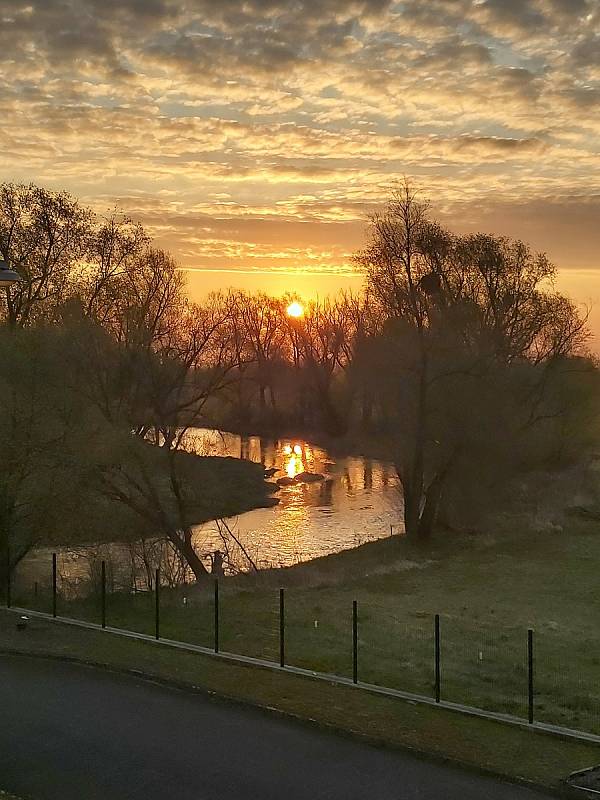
(488,592)
(482,744)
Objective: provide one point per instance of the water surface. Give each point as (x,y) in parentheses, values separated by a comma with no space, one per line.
(357,501)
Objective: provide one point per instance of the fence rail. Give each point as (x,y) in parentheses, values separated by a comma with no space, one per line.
(508,675)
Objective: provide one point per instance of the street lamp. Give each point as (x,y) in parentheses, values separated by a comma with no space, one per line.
(8,276)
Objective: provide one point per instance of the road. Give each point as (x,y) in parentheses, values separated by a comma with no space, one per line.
(70,732)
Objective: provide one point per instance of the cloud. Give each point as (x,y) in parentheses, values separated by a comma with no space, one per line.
(258,131)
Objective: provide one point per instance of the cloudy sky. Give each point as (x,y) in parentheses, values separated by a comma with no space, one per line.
(254,138)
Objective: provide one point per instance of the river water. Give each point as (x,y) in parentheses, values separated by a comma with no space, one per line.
(355,500)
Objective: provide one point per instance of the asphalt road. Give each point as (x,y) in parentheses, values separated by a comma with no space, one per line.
(69,732)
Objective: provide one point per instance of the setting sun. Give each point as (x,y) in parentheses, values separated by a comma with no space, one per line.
(295,309)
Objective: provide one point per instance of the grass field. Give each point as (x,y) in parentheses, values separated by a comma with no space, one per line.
(488,592)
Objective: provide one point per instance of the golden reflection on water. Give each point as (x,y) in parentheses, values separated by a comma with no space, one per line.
(294,466)
(293,459)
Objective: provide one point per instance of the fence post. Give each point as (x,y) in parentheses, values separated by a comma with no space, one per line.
(530,675)
(354,641)
(216,619)
(8,586)
(54,584)
(157,604)
(281,628)
(103,594)
(438,681)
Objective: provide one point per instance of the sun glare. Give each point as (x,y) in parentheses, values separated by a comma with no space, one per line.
(295,309)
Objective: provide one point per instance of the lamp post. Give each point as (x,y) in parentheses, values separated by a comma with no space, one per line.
(8,276)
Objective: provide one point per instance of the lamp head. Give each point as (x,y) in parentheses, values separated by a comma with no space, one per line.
(8,276)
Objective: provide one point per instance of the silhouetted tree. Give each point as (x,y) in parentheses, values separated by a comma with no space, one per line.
(45,235)
(464,319)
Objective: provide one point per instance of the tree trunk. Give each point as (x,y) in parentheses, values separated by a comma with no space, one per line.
(331,418)
(273,398)
(429,513)
(366,410)
(414,487)
(412,510)
(183,545)
(4,568)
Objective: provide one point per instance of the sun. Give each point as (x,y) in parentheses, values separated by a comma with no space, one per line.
(295,309)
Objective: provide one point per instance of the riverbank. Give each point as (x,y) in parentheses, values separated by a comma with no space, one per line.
(482,745)
(488,591)
(223,487)
(351,443)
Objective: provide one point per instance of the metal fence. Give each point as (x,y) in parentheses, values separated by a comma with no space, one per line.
(536,676)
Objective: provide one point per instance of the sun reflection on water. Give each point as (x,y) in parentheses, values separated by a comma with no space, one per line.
(293,459)
(294,465)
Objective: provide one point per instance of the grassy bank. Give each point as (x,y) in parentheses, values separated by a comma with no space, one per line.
(478,743)
(225,487)
(488,591)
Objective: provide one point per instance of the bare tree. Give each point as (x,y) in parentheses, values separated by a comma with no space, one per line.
(171,372)
(45,235)
(114,257)
(262,317)
(457,311)
(327,335)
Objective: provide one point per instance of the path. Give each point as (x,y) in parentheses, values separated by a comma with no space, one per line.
(70,732)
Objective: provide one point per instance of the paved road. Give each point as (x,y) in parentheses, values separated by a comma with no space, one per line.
(69,732)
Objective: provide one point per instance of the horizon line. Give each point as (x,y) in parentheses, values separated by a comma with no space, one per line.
(272,271)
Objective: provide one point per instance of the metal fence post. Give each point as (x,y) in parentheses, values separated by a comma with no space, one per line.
(216,618)
(157,604)
(281,628)
(103,594)
(8,576)
(354,641)
(438,680)
(530,696)
(54,584)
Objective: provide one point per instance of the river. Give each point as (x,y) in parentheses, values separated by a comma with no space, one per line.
(355,500)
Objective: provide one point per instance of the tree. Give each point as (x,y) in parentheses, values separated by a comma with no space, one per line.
(261,317)
(115,254)
(44,427)
(45,235)
(465,318)
(327,336)
(103,321)
(151,386)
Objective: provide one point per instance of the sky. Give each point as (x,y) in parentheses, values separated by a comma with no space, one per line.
(255,138)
